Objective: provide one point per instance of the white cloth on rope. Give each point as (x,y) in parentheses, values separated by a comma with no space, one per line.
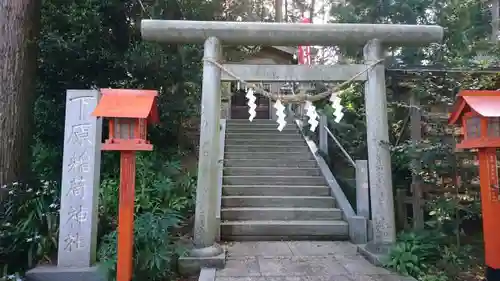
(337,107)
(251,104)
(313,115)
(280,112)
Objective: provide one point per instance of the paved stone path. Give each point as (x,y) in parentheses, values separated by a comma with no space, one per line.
(299,261)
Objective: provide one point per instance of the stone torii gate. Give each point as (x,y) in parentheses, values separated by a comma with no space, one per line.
(214,34)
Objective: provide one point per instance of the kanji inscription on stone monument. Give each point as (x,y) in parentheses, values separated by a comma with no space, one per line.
(80,180)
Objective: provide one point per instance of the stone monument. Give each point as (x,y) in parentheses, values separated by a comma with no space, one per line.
(79,194)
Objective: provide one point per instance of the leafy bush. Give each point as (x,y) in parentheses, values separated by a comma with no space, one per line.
(46,161)
(160,186)
(29,217)
(429,255)
(414,252)
(155,249)
(164,198)
(448,213)
(76,38)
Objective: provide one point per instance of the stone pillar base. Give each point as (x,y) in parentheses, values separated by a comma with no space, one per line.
(209,257)
(377,254)
(55,273)
(358,229)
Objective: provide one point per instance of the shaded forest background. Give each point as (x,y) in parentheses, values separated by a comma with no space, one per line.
(81,44)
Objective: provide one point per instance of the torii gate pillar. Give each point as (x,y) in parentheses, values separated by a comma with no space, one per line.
(206,252)
(379,157)
(205,224)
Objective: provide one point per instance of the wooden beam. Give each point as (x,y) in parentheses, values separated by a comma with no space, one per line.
(416,184)
(286,73)
(431,69)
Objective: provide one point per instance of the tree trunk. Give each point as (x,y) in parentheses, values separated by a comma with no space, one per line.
(19,21)
(495,18)
(311,10)
(286,10)
(278,7)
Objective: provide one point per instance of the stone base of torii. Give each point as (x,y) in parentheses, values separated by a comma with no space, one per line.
(206,252)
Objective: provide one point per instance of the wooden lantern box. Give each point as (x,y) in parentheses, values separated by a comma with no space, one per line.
(129,112)
(478,113)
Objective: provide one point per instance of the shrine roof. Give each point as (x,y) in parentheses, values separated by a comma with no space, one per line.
(128,103)
(484,103)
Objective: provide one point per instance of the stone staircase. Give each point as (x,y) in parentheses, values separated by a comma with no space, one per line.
(272,187)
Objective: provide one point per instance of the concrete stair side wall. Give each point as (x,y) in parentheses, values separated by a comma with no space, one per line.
(359,226)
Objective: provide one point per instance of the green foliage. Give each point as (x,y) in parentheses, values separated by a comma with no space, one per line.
(29,217)
(448,213)
(164,198)
(91,44)
(414,252)
(88,44)
(429,256)
(155,249)
(160,185)
(46,161)
(467,34)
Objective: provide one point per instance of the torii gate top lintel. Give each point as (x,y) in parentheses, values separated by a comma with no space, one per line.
(288,34)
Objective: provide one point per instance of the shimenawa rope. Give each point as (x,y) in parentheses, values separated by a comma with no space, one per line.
(298,98)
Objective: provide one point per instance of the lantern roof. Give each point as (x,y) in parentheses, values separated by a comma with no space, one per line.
(484,103)
(128,103)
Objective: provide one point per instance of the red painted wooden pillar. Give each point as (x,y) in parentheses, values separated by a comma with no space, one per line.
(126,216)
(490,204)
(129,110)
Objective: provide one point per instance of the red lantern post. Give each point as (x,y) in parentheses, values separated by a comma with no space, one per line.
(478,113)
(129,112)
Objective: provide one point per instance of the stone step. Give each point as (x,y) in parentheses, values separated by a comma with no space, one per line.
(271,171)
(278,201)
(264,128)
(269,230)
(293,156)
(268,129)
(261,129)
(274,180)
(266,136)
(274,190)
(279,213)
(269,163)
(266,148)
(272,141)
(248,122)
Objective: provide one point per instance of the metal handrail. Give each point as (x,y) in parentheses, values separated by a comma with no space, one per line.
(351,161)
(341,147)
